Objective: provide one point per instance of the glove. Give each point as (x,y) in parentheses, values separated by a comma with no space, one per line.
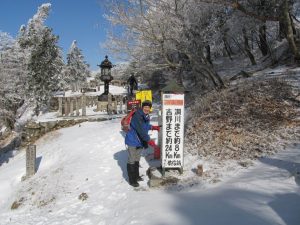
(156,152)
(152,143)
(155,128)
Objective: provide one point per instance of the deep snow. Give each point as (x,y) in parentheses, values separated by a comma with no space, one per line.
(91,158)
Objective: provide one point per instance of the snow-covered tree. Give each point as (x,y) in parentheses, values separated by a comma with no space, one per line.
(12,78)
(44,66)
(162,35)
(182,36)
(6,41)
(77,70)
(262,11)
(45,60)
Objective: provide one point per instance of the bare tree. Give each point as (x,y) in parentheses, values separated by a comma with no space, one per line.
(158,33)
(273,10)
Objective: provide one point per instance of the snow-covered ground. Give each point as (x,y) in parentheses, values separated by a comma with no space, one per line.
(91,158)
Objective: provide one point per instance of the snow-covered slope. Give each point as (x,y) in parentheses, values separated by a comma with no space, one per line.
(89,160)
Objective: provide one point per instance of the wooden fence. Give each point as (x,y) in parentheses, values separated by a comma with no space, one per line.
(77,105)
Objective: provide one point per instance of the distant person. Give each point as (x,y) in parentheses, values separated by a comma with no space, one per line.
(133,84)
(137,138)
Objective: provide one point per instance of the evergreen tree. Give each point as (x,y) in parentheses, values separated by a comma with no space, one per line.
(6,41)
(45,60)
(77,70)
(44,66)
(12,78)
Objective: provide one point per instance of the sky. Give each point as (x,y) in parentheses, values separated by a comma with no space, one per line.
(80,20)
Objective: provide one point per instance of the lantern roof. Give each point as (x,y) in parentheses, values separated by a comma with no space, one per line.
(106,63)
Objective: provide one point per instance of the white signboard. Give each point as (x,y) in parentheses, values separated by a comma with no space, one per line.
(172,130)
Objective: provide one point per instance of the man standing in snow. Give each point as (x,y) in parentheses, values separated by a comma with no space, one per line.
(136,139)
(132,82)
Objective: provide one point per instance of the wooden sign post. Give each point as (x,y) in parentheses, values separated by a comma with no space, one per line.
(30,160)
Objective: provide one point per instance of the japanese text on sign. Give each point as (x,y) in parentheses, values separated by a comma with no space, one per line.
(173,124)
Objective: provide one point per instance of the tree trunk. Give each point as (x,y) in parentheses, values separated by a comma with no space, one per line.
(208,55)
(216,76)
(253,40)
(289,30)
(208,72)
(247,48)
(179,75)
(227,47)
(263,46)
(212,73)
(37,108)
(282,30)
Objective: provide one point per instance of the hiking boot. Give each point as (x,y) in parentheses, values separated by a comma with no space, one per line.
(132,175)
(137,167)
(139,178)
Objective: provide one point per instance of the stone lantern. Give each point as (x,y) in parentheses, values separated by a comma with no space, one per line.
(106,77)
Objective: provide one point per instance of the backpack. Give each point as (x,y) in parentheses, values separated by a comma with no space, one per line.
(125,122)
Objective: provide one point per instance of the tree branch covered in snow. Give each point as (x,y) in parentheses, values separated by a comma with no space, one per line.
(76,69)
(45,58)
(160,34)
(12,78)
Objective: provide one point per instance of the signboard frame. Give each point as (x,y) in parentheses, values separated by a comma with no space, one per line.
(172,131)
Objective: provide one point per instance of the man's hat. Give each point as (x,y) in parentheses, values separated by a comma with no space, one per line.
(147,103)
